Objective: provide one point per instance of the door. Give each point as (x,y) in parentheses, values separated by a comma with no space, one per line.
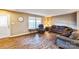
(4,26)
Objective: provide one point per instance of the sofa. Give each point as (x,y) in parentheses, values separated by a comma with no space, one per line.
(61,30)
(67,38)
(67,43)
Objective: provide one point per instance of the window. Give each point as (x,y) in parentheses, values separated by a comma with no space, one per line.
(3,21)
(38,21)
(34,22)
(31,22)
(4,25)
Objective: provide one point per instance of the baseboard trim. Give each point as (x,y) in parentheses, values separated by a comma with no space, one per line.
(28,33)
(23,34)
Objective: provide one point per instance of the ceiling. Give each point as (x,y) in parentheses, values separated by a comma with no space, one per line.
(47,12)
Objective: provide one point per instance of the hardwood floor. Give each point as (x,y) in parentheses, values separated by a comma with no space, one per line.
(21,42)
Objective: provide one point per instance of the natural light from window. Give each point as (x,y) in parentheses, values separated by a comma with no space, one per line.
(34,22)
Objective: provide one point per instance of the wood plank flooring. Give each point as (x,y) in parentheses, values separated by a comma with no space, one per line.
(20,42)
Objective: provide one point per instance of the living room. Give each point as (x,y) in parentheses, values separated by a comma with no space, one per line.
(19,24)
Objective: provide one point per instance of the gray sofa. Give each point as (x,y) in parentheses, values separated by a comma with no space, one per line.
(61,30)
(67,43)
(66,36)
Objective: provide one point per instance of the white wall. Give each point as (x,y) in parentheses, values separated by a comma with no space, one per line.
(67,20)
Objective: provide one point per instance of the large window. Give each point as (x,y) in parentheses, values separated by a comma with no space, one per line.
(31,22)
(34,22)
(3,21)
(4,25)
(38,21)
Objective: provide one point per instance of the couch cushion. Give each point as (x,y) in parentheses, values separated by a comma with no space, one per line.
(67,32)
(75,35)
